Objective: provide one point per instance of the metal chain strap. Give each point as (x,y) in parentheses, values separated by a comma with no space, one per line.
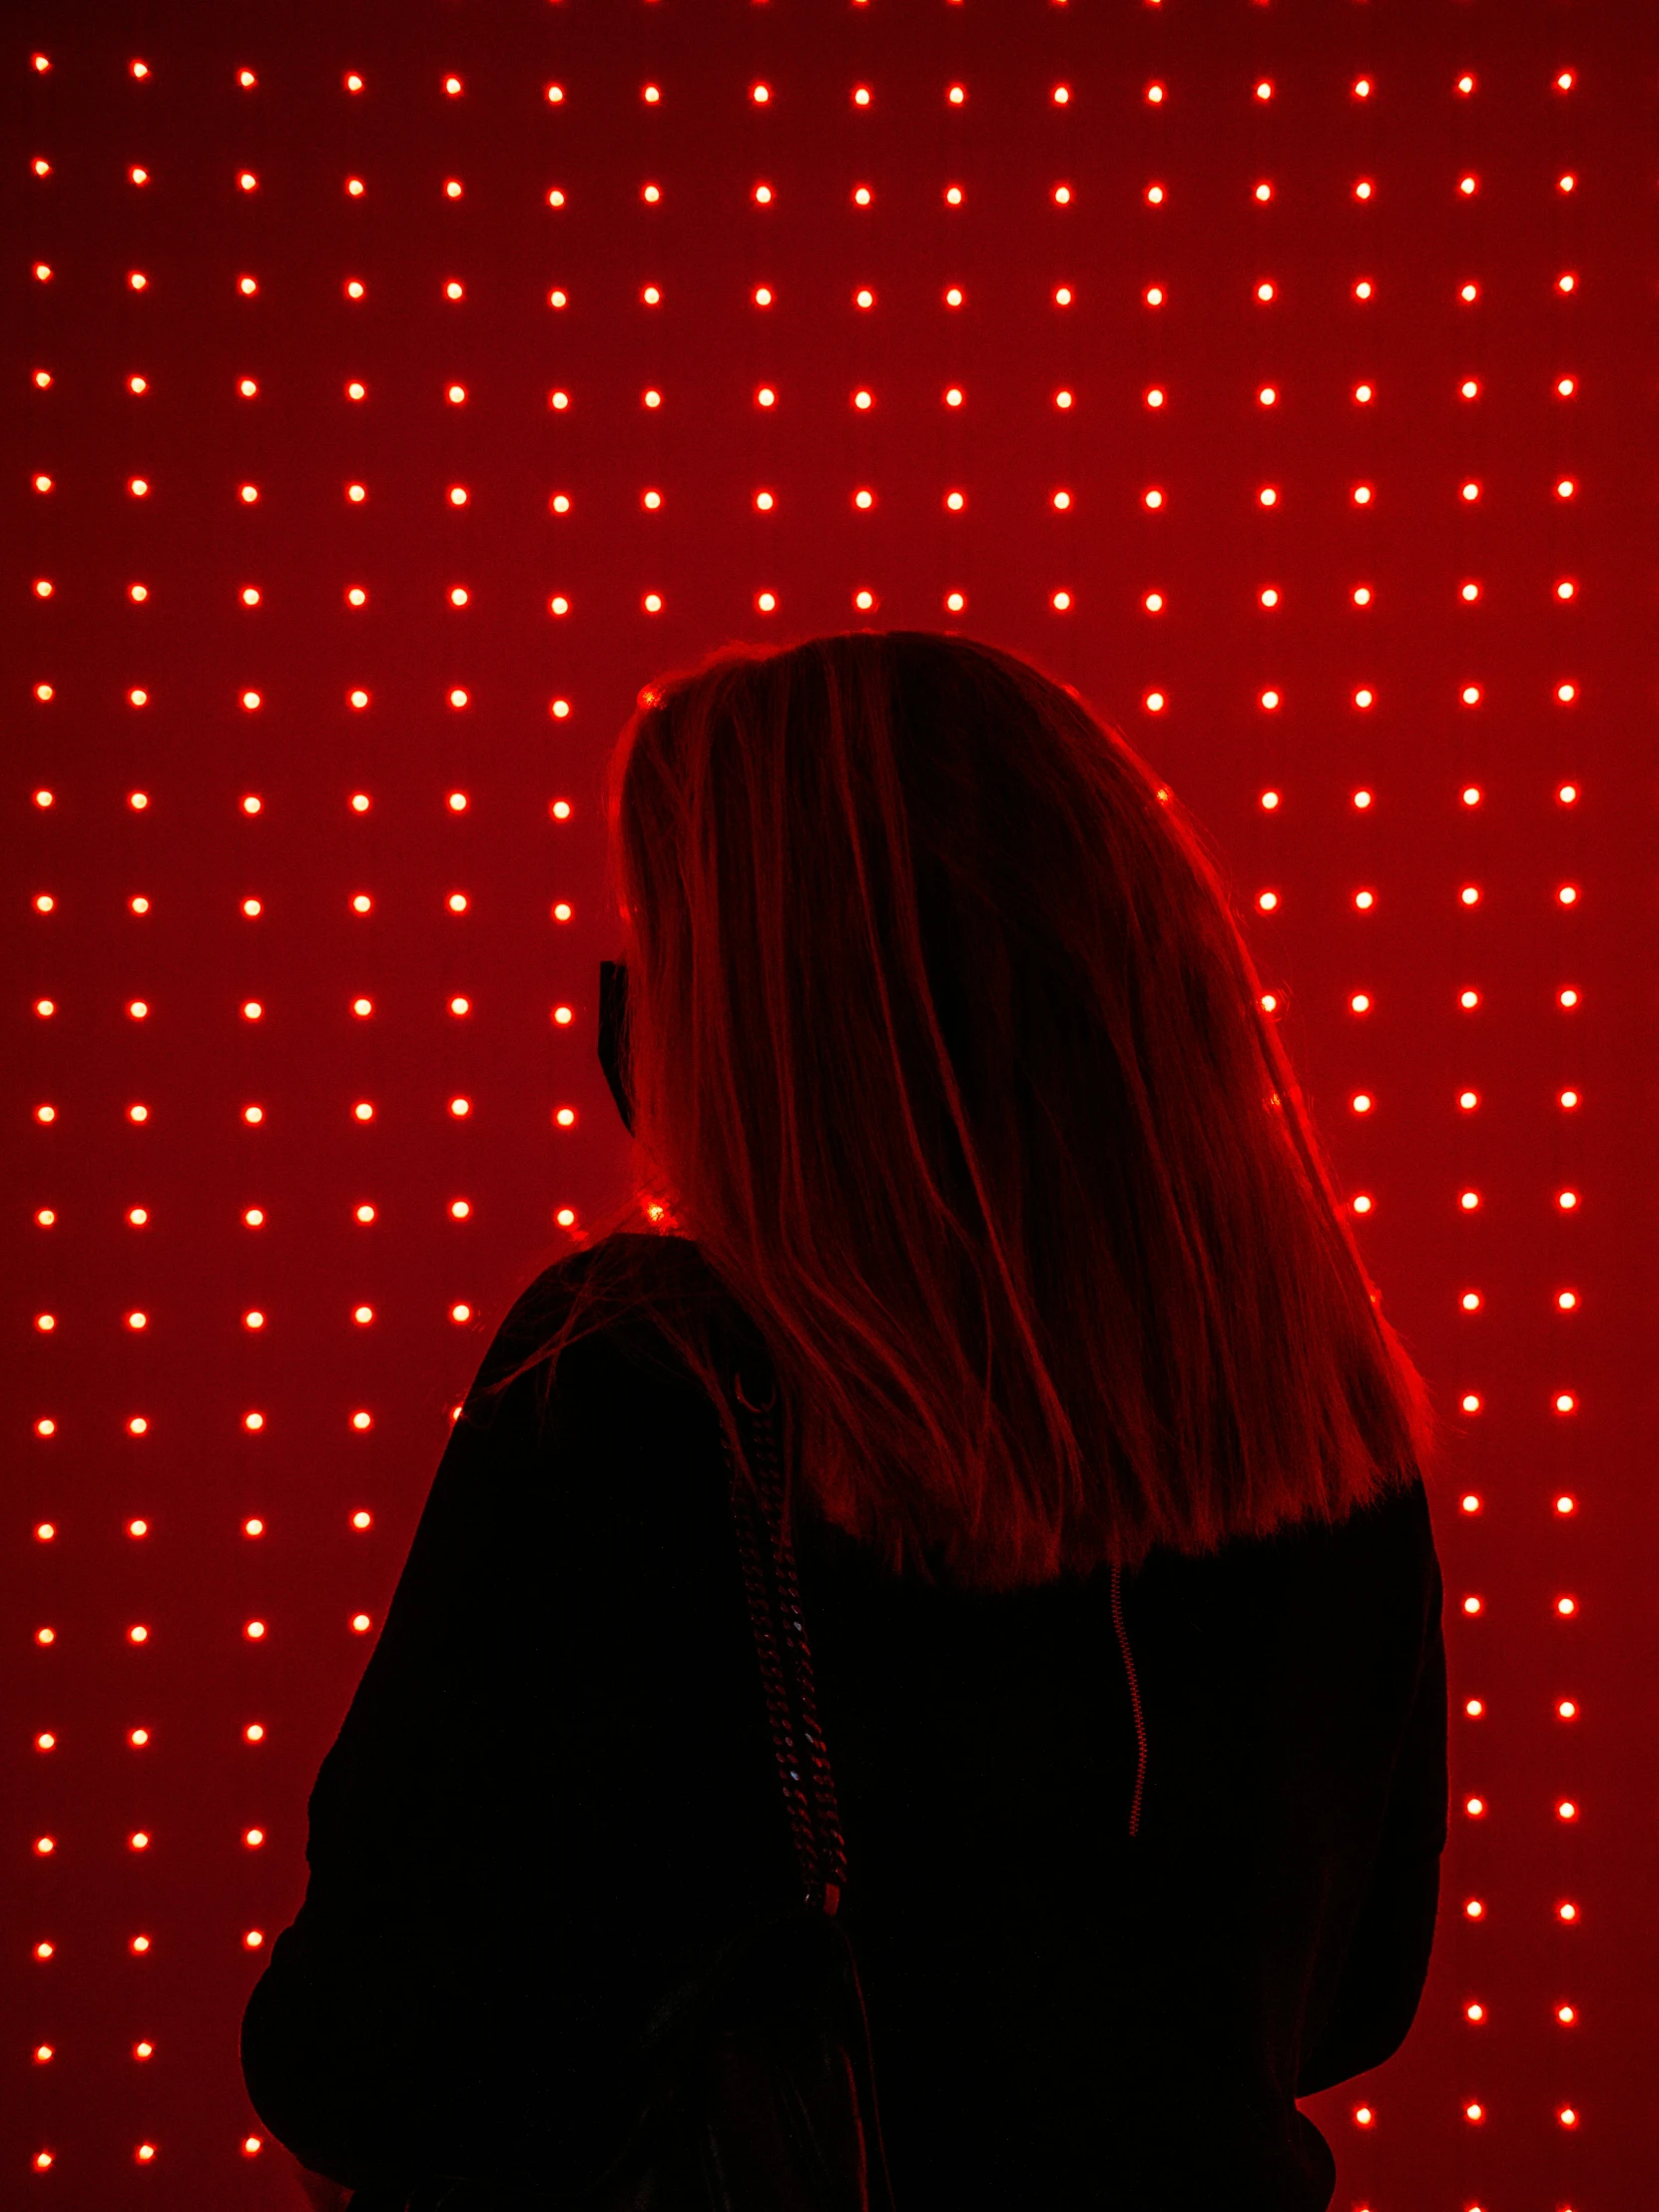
(820,1781)
(808,1785)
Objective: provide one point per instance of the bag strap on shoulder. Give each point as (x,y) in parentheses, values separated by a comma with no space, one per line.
(779,1630)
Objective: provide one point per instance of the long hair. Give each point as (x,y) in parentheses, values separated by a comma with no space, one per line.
(945,1052)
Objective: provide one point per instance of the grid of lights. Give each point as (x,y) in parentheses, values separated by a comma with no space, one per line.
(58,682)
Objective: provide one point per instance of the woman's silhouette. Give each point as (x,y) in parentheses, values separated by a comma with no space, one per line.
(949,1077)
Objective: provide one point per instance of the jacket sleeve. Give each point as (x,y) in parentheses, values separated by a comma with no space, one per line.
(1387,1962)
(388,2031)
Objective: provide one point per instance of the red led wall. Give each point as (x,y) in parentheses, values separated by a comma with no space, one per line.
(389,392)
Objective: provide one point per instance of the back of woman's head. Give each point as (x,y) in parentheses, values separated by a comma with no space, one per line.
(944,1048)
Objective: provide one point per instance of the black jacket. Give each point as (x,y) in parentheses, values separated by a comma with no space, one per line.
(556,1771)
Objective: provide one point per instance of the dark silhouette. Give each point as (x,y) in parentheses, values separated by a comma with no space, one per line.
(947,1070)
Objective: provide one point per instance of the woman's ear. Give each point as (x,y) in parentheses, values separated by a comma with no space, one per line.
(611,1043)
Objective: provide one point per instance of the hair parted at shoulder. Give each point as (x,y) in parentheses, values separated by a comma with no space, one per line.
(946,1050)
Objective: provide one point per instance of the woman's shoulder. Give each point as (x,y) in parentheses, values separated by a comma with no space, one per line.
(625,1266)
(612,1295)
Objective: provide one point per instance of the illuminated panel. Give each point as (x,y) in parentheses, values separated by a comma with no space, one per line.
(391,395)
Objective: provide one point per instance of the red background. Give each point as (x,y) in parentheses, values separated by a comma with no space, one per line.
(1429,765)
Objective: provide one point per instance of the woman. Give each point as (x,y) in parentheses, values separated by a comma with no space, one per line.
(947,1070)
